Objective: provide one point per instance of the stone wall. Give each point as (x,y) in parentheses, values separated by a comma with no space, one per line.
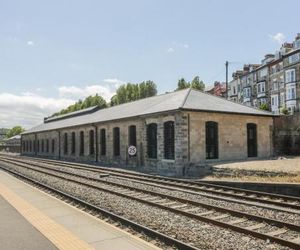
(190,155)
(287,135)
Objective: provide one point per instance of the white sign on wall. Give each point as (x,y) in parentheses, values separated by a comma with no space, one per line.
(132,150)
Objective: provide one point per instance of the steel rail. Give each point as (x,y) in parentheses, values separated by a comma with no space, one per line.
(126,222)
(256,234)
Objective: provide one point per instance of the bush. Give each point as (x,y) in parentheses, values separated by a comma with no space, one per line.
(284,111)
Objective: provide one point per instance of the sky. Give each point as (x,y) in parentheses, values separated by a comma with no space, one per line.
(53,52)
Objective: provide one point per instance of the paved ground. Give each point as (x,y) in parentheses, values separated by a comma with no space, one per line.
(17,233)
(290,165)
(41,221)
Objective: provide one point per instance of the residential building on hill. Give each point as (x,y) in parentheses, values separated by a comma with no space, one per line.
(273,84)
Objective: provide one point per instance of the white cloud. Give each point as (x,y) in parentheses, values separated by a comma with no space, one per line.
(107,89)
(28,109)
(170,50)
(186,46)
(30,43)
(278,37)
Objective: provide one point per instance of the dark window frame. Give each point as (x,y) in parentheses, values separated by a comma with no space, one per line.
(65,143)
(252,140)
(103,142)
(132,140)
(81,143)
(212,140)
(92,142)
(47,145)
(152,140)
(73,144)
(169,140)
(43,146)
(53,146)
(116,141)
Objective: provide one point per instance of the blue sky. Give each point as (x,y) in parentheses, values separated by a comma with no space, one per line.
(55,51)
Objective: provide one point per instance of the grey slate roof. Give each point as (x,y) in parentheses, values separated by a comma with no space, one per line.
(187,99)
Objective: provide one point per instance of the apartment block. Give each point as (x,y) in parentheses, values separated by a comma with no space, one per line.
(273,84)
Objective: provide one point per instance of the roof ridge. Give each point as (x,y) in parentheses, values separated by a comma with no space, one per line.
(186,97)
(221,98)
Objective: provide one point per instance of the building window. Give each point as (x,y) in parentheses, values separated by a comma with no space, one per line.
(66,143)
(152,140)
(103,142)
(73,143)
(81,135)
(53,145)
(92,142)
(38,145)
(132,135)
(294,58)
(212,142)
(43,146)
(47,146)
(116,134)
(34,147)
(290,76)
(30,146)
(252,139)
(169,140)
(291,92)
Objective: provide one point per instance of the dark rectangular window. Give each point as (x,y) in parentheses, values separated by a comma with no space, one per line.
(47,145)
(30,146)
(73,143)
(23,145)
(53,146)
(66,143)
(116,137)
(212,141)
(81,135)
(34,146)
(43,146)
(38,145)
(152,140)
(103,142)
(169,140)
(252,140)
(92,142)
(132,135)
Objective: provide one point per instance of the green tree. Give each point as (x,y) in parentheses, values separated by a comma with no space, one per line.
(182,84)
(14,131)
(264,106)
(197,84)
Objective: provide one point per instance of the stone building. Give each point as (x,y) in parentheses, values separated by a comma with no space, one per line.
(173,133)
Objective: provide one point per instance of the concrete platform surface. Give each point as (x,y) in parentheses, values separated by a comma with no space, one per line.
(32,219)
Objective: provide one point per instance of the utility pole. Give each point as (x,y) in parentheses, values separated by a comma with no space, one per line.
(226,65)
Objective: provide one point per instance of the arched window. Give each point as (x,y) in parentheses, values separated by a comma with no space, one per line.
(103,142)
(47,145)
(53,146)
(81,135)
(66,143)
(212,141)
(73,143)
(252,139)
(42,145)
(92,142)
(169,140)
(132,135)
(152,140)
(116,137)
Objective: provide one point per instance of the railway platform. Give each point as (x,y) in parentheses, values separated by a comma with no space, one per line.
(32,219)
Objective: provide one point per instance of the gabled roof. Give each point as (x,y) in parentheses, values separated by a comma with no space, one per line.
(187,99)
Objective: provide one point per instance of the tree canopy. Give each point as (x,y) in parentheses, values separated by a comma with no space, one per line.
(125,93)
(196,83)
(14,131)
(131,92)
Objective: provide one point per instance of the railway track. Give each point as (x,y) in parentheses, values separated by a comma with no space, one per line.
(221,217)
(205,189)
